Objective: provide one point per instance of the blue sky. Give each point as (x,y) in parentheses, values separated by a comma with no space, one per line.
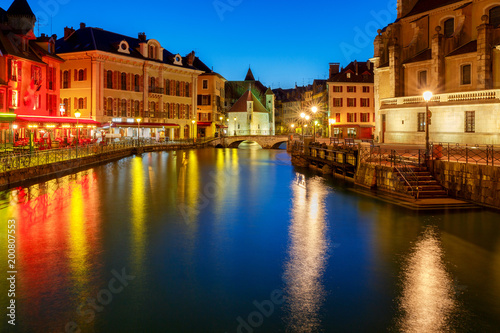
(283,42)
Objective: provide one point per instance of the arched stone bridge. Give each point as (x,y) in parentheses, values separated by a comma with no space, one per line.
(265,141)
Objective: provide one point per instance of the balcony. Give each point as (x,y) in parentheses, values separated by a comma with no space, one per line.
(155,90)
(457,97)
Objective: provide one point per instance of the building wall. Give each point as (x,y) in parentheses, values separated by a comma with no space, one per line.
(211,113)
(96,94)
(258,125)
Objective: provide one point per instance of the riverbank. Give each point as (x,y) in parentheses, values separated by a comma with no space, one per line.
(55,164)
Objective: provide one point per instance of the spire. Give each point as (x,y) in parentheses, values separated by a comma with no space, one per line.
(249,76)
(20,8)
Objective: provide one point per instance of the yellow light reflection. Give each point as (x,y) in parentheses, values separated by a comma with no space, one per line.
(78,246)
(428,299)
(307,256)
(137,204)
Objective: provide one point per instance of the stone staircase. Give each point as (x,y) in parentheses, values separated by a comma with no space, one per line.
(428,187)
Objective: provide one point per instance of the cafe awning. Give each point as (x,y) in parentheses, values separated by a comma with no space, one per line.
(56,120)
(203,123)
(5,117)
(150,125)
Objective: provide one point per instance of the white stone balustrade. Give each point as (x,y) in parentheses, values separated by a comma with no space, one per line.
(443,98)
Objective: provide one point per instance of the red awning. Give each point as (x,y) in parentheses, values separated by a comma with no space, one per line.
(204,123)
(126,124)
(57,120)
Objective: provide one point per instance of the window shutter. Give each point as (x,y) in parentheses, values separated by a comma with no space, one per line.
(199,99)
(76,103)
(129,103)
(142,107)
(355,117)
(9,69)
(85,103)
(116,80)
(105,78)
(105,104)
(209,100)
(341,101)
(129,81)
(69,79)
(76,75)
(368,117)
(61,85)
(85,74)
(141,83)
(368,102)
(115,106)
(19,71)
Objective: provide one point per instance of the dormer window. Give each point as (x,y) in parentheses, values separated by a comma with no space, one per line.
(123,47)
(152,52)
(178,60)
(449,27)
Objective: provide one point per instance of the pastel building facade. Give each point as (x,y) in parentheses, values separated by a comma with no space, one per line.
(451,49)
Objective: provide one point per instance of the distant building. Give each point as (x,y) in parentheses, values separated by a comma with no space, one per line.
(351,100)
(118,79)
(211,115)
(235,91)
(248,116)
(451,48)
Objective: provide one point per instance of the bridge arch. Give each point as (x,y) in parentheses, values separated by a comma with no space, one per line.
(278,144)
(235,144)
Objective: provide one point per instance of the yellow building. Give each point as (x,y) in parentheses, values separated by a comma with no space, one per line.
(452,50)
(210,105)
(117,79)
(351,100)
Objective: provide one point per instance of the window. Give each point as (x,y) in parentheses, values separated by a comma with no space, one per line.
(152,84)
(337,102)
(109,80)
(65,79)
(351,89)
(81,75)
(14,69)
(110,107)
(348,75)
(2,96)
(351,102)
(135,105)
(365,117)
(36,74)
(422,79)
(152,52)
(136,82)
(421,122)
(67,108)
(470,121)
(124,81)
(14,101)
(351,117)
(365,102)
(123,107)
(337,88)
(495,16)
(177,88)
(465,74)
(187,91)
(449,27)
(337,117)
(205,84)
(81,103)
(366,89)
(51,78)
(167,87)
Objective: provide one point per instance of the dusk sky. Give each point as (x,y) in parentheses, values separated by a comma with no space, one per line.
(283,42)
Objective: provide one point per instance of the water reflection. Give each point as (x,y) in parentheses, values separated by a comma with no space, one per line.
(428,299)
(304,269)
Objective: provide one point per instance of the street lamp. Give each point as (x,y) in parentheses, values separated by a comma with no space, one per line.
(302,115)
(293,126)
(77,115)
(427,98)
(307,118)
(138,130)
(192,122)
(330,123)
(234,126)
(221,128)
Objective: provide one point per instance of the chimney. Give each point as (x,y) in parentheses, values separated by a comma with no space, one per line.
(356,66)
(190,59)
(142,36)
(334,68)
(42,35)
(369,65)
(68,32)
(82,25)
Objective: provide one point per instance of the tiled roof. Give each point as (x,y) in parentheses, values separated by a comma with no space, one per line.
(21,8)
(7,46)
(421,56)
(425,5)
(241,104)
(269,91)
(93,39)
(470,47)
(363,73)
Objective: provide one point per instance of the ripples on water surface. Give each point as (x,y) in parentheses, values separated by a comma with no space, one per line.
(234,240)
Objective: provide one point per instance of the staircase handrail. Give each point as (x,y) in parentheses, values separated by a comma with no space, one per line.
(404,170)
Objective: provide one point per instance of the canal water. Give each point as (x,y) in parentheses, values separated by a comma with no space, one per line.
(238,240)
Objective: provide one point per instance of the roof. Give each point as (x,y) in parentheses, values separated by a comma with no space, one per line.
(20,8)
(269,91)
(425,5)
(241,104)
(249,76)
(10,46)
(360,72)
(470,47)
(97,39)
(421,56)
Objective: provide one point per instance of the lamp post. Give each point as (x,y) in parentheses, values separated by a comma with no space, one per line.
(77,115)
(138,130)
(330,123)
(192,122)
(427,98)
(220,130)
(307,119)
(234,126)
(302,115)
(293,126)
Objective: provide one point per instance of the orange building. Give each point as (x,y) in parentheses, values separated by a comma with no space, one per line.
(29,78)
(351,100)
